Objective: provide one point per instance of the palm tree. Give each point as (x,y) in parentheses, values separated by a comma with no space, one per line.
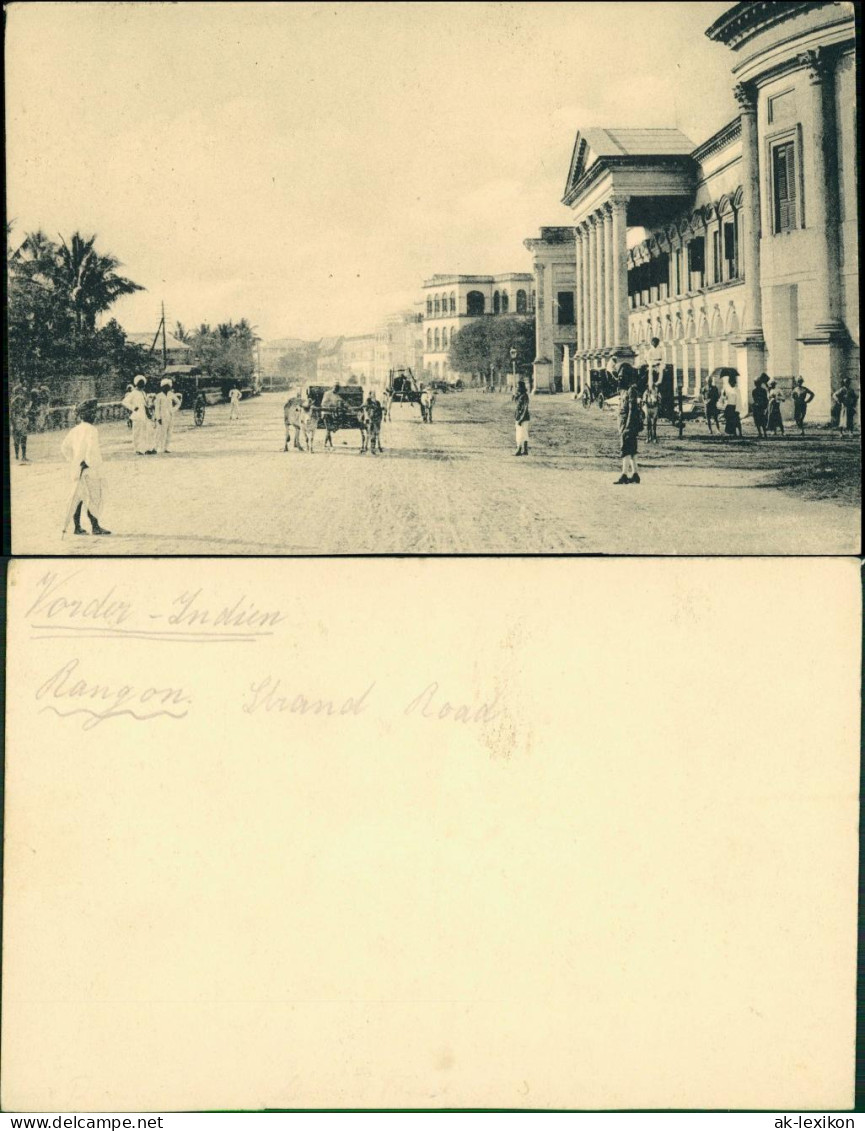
(181,333)
(90,279)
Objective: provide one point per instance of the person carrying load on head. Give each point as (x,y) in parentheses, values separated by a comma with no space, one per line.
(81,448)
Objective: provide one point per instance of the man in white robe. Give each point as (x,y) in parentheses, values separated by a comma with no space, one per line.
(143,438)
(81,448)
(163,408)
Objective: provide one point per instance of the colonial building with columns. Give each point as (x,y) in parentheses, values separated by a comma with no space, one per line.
(555,290)
(452,302)
(748,250)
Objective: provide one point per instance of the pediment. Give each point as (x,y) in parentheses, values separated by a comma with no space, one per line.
(582,159)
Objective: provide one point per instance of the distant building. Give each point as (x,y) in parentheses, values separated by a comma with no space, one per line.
(750,255)
(329,363)
(271,353)
(177,352)
(399,344)
(555,289)
(358,359)
(454,301)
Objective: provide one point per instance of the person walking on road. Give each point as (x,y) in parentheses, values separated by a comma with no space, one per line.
(730,406)
(655,362)
(846,398)
(774,420)
(162,410)
(19,422)
(234,400)
(521,417)
(81,448)
(652,407)
(143,436)
(802,397)
(713,395)
(630,426)
(760,405)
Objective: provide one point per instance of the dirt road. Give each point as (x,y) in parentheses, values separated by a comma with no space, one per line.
(452,487)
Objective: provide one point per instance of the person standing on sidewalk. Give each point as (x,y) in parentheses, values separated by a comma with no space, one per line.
(630,426)
(848,399)
(521,417)
(775,420)
(81,448)
(651,403)
(234,399)
(19,422)
(712,397)
(143,437)
(760,405)
(802,397)
(655,362)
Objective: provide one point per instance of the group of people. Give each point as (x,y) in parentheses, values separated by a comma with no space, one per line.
(151,417)
(28,412)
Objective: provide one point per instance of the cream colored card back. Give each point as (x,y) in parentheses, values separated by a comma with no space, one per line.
(481,833)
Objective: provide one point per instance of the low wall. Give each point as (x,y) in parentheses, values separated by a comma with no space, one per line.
(65,416)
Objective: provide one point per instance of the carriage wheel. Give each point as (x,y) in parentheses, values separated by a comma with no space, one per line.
(600,400)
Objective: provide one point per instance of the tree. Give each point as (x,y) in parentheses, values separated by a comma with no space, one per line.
(226,352)
(89,280)
(55,294)
(483,348)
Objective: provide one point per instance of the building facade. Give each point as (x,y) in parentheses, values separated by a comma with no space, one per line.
(554,263)
(451,302)
(399,344)
(748,254)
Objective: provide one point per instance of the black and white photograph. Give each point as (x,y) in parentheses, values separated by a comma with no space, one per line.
(433,279)
(433,604)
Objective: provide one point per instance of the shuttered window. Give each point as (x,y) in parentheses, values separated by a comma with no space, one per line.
(784,179)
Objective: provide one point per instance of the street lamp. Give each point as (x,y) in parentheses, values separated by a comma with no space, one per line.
(513,368)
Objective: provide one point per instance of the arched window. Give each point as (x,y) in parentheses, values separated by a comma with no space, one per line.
(505,302)
(475,303)
(522,304)
(429,307)
(436,306)
(444,338)
(497,303)
(429,339)
(453,302)
(437,339)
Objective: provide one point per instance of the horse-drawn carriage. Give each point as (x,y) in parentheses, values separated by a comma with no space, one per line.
(334,408)
(404,388)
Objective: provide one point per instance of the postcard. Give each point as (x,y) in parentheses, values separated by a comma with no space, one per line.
(431,834)
(294,279)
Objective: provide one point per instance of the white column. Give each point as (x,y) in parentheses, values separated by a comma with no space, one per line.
(750,214)
(584,300)
(823,208)
(578,267)
(619,230)
(591,327)
(826,341)
(609,278)
(598,281)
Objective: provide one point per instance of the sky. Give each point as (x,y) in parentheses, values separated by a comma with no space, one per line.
(307,165)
